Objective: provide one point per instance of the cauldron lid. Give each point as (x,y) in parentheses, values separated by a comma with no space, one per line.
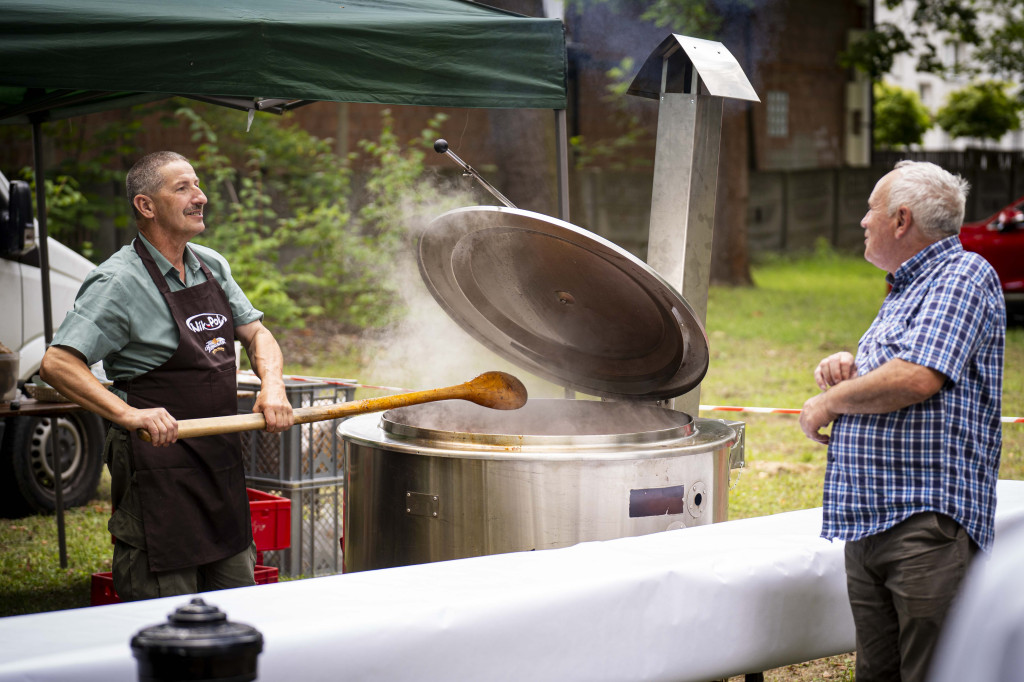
(563,303)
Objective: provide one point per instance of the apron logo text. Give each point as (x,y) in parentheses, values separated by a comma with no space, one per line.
(206,322)
(216,345)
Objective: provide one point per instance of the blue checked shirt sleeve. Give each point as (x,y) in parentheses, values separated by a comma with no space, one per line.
(950,324)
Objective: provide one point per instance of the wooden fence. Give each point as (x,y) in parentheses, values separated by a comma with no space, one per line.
(791,210)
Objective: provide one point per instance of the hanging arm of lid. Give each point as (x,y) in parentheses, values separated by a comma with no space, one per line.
(441,147)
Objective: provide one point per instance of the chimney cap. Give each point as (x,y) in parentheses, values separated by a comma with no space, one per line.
(670,68)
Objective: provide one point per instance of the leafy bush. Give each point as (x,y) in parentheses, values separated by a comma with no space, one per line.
(305,238)
(614,152)
(900,118)
(282,213)
(982,110)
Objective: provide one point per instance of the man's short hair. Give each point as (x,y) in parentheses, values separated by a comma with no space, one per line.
(145,178)
(936,198)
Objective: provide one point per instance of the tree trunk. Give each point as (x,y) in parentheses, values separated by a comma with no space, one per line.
(729,261)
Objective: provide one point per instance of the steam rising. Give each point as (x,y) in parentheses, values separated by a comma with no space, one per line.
(427,349)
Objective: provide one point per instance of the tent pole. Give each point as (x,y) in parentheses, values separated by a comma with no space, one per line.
(44,280)
(562,144)
(562,164)
(44,252)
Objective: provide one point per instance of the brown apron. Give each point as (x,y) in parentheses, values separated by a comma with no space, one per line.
(194,505)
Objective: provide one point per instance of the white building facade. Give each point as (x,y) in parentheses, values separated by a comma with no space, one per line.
(934,90)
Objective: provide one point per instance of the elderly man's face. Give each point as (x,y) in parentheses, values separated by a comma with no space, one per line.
(178,204)
(879,229)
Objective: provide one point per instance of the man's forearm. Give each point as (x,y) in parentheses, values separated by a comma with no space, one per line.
(893,386)
(68,373)
(268,363)
(266,357)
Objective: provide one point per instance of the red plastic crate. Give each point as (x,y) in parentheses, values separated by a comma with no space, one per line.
(271,520)
(103,591)
(265,575)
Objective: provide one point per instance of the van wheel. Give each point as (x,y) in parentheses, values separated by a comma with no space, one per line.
(78,443)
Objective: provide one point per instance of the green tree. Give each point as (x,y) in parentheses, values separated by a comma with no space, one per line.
(991,35)
(900,118)
(701,19)
(282,213)
(86,167)
(983,110)
(614,152)
(992,29)
(721,20)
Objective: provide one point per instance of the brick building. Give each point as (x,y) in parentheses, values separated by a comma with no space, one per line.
(813,117)
(798,144)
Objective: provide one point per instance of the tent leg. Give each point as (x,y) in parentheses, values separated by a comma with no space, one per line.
(562,152)
(44,279)
(562,144)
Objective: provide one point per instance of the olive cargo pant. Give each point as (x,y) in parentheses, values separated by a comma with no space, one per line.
(902,583)
(132,578)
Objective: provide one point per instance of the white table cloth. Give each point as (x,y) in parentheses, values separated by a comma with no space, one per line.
(691,604)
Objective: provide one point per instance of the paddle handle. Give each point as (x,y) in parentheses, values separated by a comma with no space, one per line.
(212,426)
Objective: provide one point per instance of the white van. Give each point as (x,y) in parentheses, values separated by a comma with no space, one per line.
(26,474)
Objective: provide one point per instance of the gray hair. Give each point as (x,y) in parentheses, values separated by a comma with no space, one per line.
(935,197)
(145,178)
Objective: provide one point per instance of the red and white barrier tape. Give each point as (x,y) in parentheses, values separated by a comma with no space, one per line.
(706,408)
(760,410)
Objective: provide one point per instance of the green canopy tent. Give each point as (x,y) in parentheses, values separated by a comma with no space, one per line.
(63,58)
(66,57)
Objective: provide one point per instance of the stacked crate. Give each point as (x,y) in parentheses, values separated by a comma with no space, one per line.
(303,465)
(270,531)
(271,524)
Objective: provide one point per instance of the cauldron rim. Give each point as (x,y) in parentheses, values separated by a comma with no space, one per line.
(540,420)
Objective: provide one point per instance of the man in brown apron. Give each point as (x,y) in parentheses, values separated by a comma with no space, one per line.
(163,315)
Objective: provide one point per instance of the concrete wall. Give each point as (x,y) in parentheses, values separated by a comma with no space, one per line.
(996,176)
(787,210)
(792,210)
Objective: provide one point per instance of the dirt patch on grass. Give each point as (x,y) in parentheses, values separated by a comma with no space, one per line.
(764,469)
(831,669)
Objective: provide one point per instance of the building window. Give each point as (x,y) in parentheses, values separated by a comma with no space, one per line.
(778,113)
(925,92)
(955,53)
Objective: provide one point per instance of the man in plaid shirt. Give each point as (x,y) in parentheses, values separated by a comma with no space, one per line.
(913,453)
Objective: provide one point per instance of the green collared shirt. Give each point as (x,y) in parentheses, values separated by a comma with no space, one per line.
(121,318)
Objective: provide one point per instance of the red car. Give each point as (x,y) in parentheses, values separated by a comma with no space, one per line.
(1000,239)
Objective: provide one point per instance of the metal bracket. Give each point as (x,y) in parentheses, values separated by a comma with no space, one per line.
(422,504)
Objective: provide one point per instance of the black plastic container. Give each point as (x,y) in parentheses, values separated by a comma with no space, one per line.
(198,643)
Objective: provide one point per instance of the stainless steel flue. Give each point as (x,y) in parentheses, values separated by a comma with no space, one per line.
(691,78)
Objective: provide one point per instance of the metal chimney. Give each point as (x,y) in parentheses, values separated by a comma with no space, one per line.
(690,77)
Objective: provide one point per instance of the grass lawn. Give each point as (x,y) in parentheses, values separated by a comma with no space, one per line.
(765,342)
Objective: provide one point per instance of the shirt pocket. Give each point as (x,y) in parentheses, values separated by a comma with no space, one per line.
(884,344)
(891,332)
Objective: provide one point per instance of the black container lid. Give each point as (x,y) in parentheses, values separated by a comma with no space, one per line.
(197,643)
(563,303)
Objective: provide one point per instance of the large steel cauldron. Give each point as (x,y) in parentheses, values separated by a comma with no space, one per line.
(453,480)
